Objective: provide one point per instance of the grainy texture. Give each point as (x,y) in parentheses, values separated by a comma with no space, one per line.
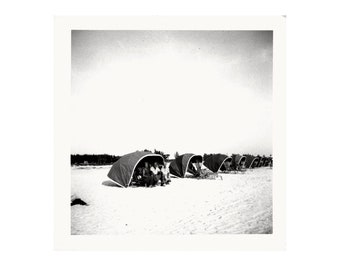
(238,204)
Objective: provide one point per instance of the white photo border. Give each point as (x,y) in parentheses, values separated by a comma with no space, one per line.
(63,240)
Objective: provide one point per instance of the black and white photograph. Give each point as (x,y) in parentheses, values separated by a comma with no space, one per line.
(171,132)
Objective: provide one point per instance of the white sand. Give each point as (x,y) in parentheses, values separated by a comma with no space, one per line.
(240,203)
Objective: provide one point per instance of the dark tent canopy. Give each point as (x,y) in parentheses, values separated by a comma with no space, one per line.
(251,161)
(181,164)
(265,161)
(238,161)
(215,162)
(122,170)
(261,161)
(268,161)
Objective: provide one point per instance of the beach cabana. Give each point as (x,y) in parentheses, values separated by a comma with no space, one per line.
(251,161)
(216,162)
(270,161)
(261,161)
(238,162)
(122,170)
(183,164)
(266,161)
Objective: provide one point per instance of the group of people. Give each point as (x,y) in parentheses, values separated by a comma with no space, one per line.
(151,175)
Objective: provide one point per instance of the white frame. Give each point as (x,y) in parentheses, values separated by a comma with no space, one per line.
(63,238)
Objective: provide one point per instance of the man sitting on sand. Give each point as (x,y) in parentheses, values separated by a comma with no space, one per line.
(155,174)
(165,174)
(160,167)
(196,168)
(146,175)
(137,176)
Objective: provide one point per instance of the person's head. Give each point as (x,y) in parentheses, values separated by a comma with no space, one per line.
(155,164)
(146,164)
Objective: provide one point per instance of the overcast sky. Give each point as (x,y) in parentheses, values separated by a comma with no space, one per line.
(185,91)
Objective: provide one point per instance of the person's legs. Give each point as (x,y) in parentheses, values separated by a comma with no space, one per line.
(156,179)
(147,181)
(152,180)
(167,178)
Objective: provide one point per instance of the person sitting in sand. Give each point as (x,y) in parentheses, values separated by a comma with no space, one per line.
(146,175)
(162,175)
(198,167)
(165,174)
(195,167)
(137,176)
(155,174)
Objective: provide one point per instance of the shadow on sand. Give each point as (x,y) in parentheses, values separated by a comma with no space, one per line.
(109,183)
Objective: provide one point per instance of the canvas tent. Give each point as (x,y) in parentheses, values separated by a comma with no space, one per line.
(270,163)
(122,170)
(266,162)
(251,161)
(261,161)
(238,162)
(216,162)
(181,165)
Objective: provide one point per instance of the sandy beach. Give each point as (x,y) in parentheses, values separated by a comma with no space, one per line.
(235,204)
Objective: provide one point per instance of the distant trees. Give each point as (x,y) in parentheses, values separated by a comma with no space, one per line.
(176,154)
(105,159)
(165,156)
(86,159)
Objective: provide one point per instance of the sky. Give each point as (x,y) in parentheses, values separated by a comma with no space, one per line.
(187,91)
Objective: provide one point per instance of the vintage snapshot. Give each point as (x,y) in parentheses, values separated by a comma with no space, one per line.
(171,133)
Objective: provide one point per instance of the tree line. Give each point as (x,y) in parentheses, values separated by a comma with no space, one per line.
(103,159)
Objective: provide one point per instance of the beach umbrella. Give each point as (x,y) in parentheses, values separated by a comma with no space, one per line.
(122,170)
(238,161)
(251,161)
(216,162)
(183,164)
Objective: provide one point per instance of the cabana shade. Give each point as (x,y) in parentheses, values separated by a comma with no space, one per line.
(261,161)
(265,161)
(237,161)
(122,170)
(251,161)
(215,162)
(270,163)
(180,165)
